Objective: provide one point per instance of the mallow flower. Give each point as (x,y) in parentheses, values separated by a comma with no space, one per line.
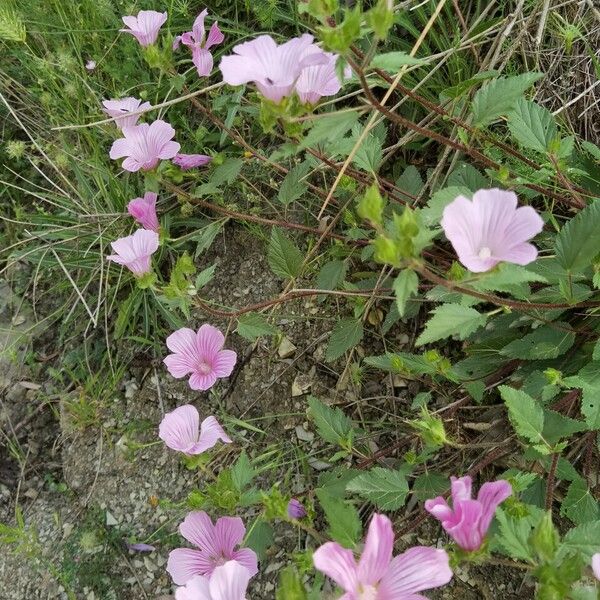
(316,81)
(596,565)
(468,520)
(135,251)
(200,43)
(145,27)
(181,430)
(200,354)
(216,544)
(191,161)
(490,229)
(120,110)
(228,582)
(272,68)
(379,576)
(145,145)
(295,509)
(143,210)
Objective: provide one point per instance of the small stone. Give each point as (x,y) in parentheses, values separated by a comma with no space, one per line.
(303,435)
(286,348)
(301,385)
(110,520)
(398,382)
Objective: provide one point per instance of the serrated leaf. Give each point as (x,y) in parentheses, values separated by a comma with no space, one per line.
(242,472)
(387,489)
(333,425)
(467,176)
(557,426)
(392,61)
(253,325)
(499,97)
(260,537)
(532,125)
(334,482)
(329,127)
(293,185)
(369,154)
(430,485)
(579,504)
(405,285)
(331,275)
(583,539)
(226,172)
(513,536)
(206,236)
(204,277)
(451,319)
(543,343)
(578,243)
(345,335)
(590,407)
(344,522)
(284,257)
(410,181)
(432,213)
(525,414)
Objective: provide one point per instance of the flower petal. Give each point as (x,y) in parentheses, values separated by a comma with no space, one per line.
(209,340)
(179,428)
(197,588)
(224,363)
(464,527)
(185,563)
(198,27)
(415,570)
(521,254)
(338,564)
(491,495)
(210,432)
(229,582)
(248,559)
(438,507)
(198,529)
(229,532)
(596,565)
(462,488)
(203,60)
(215,36)
(202,382)
(377,553)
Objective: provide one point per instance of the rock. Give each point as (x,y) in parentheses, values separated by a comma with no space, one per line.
(303,435)
(286,348)
(301,385)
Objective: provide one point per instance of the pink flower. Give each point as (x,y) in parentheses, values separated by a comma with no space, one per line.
(201,354)
(201,55)
(134,251)
(181,430)
(144,28)
(145,145)
(90,65)
(274,69)
(316,81)
(491,229)
(379,576)
(468,520)
(228,582)
(216,545)
(121,109)
(295,509)
(143,210)
(191,161)
(596,565)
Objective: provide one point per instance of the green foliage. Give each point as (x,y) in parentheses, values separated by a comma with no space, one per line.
(290,585)
(392,61)
(251,326)
(285,259)
(333,425)
(371,206)
(451,319)
(526,416)
(294,185)
(345,335)
(344,525)
(532,125)
(406,285)
(342,36)
(387,489)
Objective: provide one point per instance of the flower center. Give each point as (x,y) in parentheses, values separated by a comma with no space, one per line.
(367,592)
(485,252)
(204,367)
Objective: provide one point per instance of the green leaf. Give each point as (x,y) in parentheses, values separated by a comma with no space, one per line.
(284,257)
(260,537)
(432,213)
(204,277)
(291,586)
(345,335)
(226,172)
(329,127)
(590,407)
(557,426)
(410,181)
(392,61)
(579,504)
(451,319)
(242,472)
(467,176)
(525,414)
(429,485)
(583,539)
(370,206)
(293,185)
(405,285)
(543,343)
(500,96)
(206,236)
(253,325)
(333,425)
(343,519)
(331,275)
(387,489)
(532,125)
(578,243)
(334,481)
(513,535)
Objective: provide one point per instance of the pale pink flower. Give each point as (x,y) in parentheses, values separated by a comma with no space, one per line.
(491,229)
(90,65)
(316,81)
(145,27)
(145,145)
(201,354)
(191,161)
(596,565)
(378,575)
(120,110)
(195,39)
(143,210)
(181,430)
(468,520)
(273,69)
(135,251)
(228,582)
(216,545)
